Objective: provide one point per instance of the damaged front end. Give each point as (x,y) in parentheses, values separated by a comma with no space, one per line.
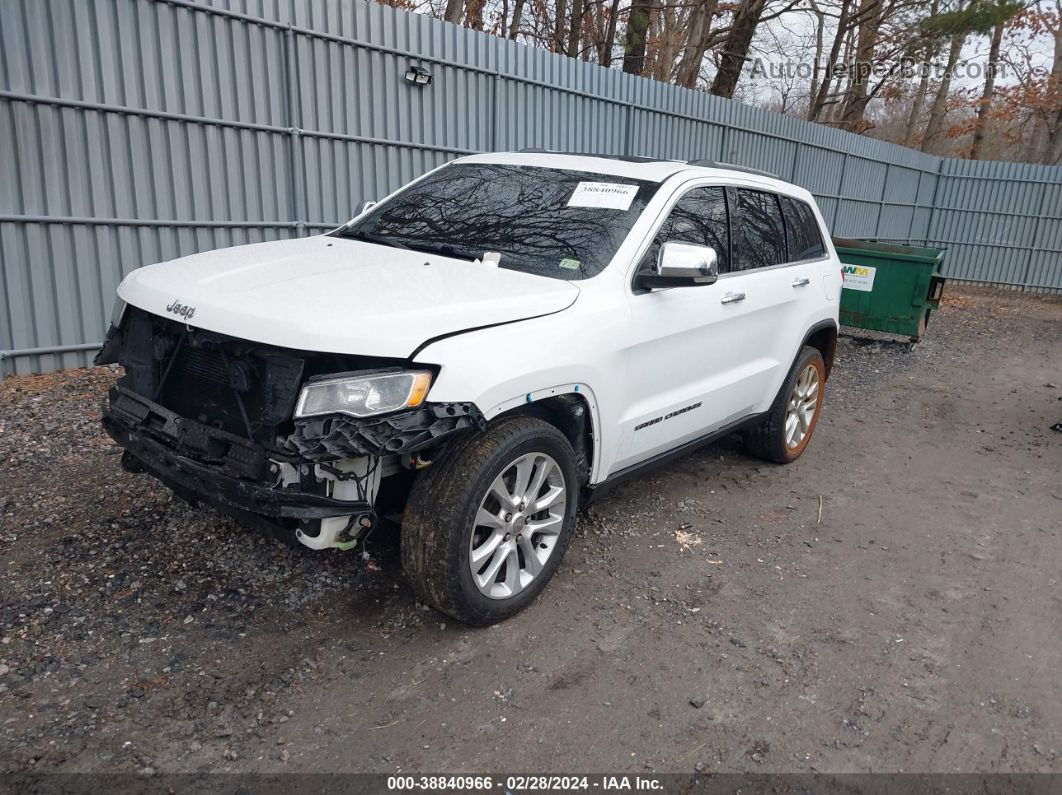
(212,417)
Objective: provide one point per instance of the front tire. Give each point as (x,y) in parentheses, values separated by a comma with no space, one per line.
(784,434)
(488,522)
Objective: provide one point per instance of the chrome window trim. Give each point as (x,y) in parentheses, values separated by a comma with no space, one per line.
(823,258)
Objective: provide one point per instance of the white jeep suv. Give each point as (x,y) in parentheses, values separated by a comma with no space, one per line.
(479,353)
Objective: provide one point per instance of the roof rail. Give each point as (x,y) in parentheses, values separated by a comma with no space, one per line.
(626,158)
(732,167)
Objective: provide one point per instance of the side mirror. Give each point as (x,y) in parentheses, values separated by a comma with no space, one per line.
(366,206)
(683,264)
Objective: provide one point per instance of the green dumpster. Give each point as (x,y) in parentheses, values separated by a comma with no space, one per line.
(889,287)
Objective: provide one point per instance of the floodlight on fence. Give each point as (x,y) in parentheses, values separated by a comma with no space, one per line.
(418,76)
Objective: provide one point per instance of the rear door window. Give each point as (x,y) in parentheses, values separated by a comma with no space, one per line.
(759,234)
(804,239)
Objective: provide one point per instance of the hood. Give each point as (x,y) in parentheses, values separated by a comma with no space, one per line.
(339,296)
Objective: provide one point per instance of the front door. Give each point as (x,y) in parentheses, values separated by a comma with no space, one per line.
(684,357)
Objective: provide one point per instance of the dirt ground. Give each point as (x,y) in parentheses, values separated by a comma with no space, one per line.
(889,603)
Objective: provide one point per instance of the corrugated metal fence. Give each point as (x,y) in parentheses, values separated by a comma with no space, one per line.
(135,131)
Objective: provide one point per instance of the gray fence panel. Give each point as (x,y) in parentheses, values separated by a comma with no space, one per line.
(136,131)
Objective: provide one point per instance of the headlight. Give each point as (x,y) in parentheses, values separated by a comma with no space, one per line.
(364,395)
(117,312)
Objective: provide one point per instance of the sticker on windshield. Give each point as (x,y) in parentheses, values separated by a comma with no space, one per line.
(606,195)
(570,264)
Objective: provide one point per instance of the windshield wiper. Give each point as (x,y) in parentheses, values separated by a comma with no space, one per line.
(445,249)
(365,237)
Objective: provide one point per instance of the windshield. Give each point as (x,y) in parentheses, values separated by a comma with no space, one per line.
(550,222)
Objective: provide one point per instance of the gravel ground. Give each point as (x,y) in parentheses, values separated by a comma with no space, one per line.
(891,602)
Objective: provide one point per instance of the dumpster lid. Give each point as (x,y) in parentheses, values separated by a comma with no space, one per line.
(891,250)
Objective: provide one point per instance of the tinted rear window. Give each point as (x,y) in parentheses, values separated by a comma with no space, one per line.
(804,237)
(759,237)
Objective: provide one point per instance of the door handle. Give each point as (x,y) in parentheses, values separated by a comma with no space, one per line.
(801,281)
(732,298)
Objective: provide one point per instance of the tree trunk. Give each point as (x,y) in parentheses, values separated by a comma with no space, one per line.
(855,101)
(816,67)
(663,45)
(474,14)
(844,81)
(604,55)
(700,36)
(634,43)
(576,29)
(514,26)
(736,47)
(558,27)
(454,9)
(1053,149)
(936,113)
(653,35)
(929,52)
(917,104)
(593,29)
(986,95)
(819,102)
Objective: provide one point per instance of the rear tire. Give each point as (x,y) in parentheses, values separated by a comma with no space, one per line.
(784,434)
(473,544)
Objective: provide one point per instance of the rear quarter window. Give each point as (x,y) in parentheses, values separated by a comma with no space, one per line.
(803,234)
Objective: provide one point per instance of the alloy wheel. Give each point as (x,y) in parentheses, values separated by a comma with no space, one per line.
(803,402)
(517,525)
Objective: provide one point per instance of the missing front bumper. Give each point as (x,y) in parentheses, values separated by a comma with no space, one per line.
(206,465)
(317,485)
(337,436)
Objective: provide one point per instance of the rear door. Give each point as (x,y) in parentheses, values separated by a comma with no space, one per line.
(773,279)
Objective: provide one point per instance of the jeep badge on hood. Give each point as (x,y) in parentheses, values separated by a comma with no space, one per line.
(184,310)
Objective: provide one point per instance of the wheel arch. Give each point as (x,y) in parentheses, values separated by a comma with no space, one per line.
(823,337)
(572,409)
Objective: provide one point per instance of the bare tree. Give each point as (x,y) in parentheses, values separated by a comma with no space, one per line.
(1053,150)
(820,100)
(984,106)
(999,14)
(604,54)
(816,66)
(699,38)
(927,49)
(855,48)
(940,101)
(736,47)
(514,26)
(668,35)
(474,14)
(1036,98)
(965,18)
(454,10)
(576,29)
(857,95)
(558,27)
(634,41)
